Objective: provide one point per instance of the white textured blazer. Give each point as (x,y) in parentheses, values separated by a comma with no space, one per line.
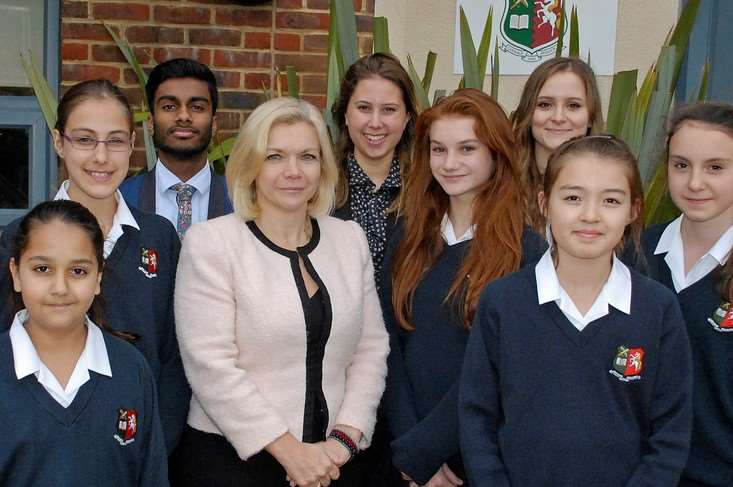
(241,330)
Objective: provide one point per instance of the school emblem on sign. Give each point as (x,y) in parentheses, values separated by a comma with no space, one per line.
(722,319)
(530,28)
(628,363)
(148,262)
(126,426)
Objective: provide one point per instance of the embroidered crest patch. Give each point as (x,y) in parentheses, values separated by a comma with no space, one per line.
(126,426)
(148,262)
(628,363)
(722,319)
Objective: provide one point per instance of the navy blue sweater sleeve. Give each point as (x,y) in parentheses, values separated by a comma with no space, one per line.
(398,397)
(670,411)
(479,407)
(154,471)
(174,390)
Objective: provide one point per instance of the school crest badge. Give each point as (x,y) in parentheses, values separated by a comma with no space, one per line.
(126,426)
(530,28)
(722,319)
(148,262)
(628,363)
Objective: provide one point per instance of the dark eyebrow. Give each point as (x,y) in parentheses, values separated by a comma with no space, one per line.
(43,258)
(569,187)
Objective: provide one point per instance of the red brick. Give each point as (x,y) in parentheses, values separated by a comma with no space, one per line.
(121,11)
(74,9)
(182,15)
(242,59)
(369,6)
(226,120)
(289,4)
(215,37)
(257,40)
(153,34)
(317,100)
(319,4)
(287,42)
(223,135)
(74,52)
(240,100)
(256,81)
(129,77)
(366,45)
(227,79)
(315,42)
(83,72)
(84,31)
(107,53)
(111,53)
(357,5)
(134,96)
(364,23)
(162,54)
(137,160)
(302,62)
(245,17)
(313,84)
(301,20)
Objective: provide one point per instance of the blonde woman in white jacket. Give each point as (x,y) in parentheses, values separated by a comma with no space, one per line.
(278,320)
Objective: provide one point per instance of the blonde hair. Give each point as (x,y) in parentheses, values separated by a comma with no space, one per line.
(248,155)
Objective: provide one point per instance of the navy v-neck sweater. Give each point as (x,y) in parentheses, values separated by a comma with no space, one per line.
(96,440)
(542,403)
(711,451)
(423,366)
(141,301)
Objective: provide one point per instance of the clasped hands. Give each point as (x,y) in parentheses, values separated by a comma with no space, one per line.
(309,464)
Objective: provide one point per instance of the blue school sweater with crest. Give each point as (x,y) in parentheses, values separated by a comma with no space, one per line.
(544,404)
(423,366)
(138,297)
(711,451)
(109,435)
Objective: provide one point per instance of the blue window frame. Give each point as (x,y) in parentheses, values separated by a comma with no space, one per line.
(28,171)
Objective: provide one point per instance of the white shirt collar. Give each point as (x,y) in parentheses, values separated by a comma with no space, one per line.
(123,216)
(26,360)
(615,292)
(449,234)
(670,242)
(164,179)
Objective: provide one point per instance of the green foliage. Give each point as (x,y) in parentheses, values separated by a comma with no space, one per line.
(574,33)
(475,64)
(44,95)
(380,34)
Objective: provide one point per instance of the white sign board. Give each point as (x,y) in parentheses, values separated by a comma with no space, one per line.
(527,31)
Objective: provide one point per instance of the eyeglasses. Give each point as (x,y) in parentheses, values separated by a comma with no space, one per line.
(85,142)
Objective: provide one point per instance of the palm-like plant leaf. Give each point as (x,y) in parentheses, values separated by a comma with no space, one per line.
(44,95)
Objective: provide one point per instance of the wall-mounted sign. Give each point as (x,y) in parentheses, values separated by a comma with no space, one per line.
(527,31)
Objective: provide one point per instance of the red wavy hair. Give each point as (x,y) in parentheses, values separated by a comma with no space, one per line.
(498,213)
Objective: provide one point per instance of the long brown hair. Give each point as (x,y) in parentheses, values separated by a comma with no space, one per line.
(497,211)
(531,178)
(377,65)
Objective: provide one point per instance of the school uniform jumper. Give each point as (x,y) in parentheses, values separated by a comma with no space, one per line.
(92,441)
(139,298)
(421,399)
(542,403)
(711,453)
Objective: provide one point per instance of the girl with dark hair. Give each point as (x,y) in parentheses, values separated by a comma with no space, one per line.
(375,113)
(75,394)
(560,101)
(461,228)
(690,255)
(577,370)
(94,136)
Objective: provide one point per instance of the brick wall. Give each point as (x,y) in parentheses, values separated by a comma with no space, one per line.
(242,44)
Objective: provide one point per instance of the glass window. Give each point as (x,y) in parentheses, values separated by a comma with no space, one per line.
(15,167)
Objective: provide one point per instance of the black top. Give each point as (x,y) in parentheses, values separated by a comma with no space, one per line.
(317,318)
(367,205)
